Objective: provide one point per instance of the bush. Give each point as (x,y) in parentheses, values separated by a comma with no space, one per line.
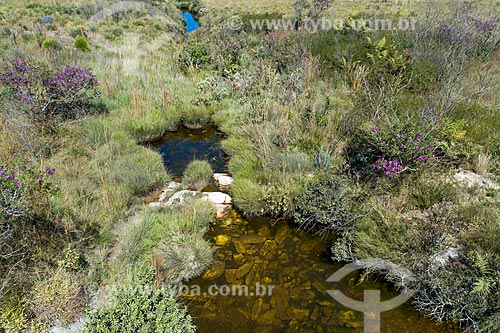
(81,44)
(139,308)
(194,55)
(49,97)
(25,192)
(197,174)
(324,204)
(51,44)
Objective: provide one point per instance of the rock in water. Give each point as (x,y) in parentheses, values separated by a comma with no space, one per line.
(214,271)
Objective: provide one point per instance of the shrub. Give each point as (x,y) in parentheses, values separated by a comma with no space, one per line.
(25,192)
(427,192)
(51,44)
(194,55)
(197,174)
(185,256)
(81,44)
(48,97)
(139,308)
(324,204)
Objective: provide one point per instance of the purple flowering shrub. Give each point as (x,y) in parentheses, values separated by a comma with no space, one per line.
(48,96)
(400,148)
(25,190)
(471,31)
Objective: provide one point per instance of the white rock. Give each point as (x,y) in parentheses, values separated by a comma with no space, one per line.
(218,197)
(223,179)
(471,179)
(222,210)
(156,204)
(179,197)
(166,191)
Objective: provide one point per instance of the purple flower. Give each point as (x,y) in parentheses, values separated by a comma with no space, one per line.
(375,128)
(9,176)
(2,172)
(26,203)
(17,184)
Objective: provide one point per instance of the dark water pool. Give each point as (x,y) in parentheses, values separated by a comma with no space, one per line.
(184,145)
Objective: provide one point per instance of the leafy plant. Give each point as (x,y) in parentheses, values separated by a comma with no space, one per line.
(197,174)
(81,44)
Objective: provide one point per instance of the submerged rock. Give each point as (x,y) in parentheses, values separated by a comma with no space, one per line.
(222,240)
(215,270)
(243,270)
(252,239)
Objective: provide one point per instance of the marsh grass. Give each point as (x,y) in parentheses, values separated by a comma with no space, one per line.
(197,174)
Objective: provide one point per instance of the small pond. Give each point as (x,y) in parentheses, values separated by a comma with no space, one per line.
(184,145)
(191,23)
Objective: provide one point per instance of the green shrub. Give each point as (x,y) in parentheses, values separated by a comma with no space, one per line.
(194,55)
(184,257)
(324,204)
(139,308)
(81,44)
(197,174)
(427,192)
(51,44)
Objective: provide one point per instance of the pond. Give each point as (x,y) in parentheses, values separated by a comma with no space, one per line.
(191,23)
(184,145)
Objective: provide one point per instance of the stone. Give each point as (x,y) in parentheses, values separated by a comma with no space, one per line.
(315,313)
(222,210)
(319,286)
(166,191)
(298,314)
(223,179)
(283,259)
(222,240)
(238,259)
(264,231)
(215,270)
(179,197)
(267,280)
(46,19)
(471,179)
(230,275)
(250,277)
(252,239)
(218,197)
(243,270)
(156,204)
(257,308)
(242,248)
(268,250)
(267,317)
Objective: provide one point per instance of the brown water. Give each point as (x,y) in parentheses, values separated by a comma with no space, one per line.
(297,264)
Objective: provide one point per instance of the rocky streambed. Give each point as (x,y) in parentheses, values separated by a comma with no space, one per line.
(296,265)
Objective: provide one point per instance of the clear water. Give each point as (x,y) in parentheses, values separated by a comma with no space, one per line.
(298,264)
